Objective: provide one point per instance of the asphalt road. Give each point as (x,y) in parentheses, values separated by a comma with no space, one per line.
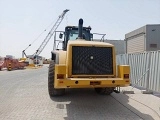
(24,96)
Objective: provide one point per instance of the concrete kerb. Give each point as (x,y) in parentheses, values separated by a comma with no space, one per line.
(127,92)
(147,92)
(133,90)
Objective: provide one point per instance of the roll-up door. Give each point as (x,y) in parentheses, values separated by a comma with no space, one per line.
(135,44)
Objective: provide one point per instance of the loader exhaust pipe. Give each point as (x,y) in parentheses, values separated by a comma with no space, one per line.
(80,29)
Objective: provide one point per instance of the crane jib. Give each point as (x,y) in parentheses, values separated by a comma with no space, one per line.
(50,34)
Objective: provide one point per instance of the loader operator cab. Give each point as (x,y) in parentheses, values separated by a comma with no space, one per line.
(71,33)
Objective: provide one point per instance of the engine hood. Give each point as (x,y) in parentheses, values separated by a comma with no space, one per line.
(82,42)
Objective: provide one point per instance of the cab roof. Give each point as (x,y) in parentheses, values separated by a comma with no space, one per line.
(77,27)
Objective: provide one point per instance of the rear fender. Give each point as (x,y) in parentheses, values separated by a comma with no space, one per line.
(55,57)
(59,57)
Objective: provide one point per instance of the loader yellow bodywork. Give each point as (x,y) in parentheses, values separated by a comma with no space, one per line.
(64,78)
(84,63)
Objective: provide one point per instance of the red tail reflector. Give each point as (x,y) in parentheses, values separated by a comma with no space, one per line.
(126,75)
(60,76)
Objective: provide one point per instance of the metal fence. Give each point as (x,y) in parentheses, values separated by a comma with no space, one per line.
(144,67)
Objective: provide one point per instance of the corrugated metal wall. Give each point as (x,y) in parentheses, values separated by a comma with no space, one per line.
(139,63)
(154,73)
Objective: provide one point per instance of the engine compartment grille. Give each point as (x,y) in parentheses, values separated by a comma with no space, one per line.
(91,60)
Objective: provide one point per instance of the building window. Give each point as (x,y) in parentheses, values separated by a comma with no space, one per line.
(153,45)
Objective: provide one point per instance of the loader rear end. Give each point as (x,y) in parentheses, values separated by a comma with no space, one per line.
(85,64)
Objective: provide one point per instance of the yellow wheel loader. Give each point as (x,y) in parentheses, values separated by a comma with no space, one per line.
(84,63)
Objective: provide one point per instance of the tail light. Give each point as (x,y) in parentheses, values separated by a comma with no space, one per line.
(60,76)
(126,76)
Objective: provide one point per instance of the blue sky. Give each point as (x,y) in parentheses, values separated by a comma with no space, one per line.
(21,21)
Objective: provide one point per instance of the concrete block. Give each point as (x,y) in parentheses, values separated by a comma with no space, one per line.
(128,92)
(146,92)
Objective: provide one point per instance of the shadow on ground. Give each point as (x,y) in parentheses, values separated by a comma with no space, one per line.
(85,104)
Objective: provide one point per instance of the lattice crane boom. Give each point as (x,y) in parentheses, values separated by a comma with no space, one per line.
(51,32)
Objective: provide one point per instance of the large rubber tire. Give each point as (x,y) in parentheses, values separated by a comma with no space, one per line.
(104,91)
(52,91)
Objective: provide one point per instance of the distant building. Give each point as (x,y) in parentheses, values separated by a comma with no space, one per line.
(10,56)
(146,38)
(120,46)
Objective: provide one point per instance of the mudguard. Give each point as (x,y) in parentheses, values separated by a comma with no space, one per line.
(59,57)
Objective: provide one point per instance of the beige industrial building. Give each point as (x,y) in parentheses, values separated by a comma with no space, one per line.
(146,38)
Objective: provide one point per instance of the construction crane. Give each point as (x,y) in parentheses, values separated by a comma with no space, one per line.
(48,37)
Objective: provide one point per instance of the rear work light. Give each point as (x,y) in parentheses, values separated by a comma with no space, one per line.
(126,76)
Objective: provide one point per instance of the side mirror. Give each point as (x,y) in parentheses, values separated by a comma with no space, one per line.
(60,35)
